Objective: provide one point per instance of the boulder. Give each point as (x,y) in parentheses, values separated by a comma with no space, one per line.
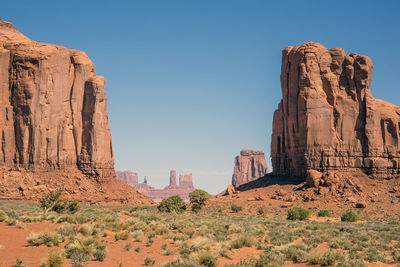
(313,178)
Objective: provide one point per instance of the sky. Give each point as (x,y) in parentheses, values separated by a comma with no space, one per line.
(191,83)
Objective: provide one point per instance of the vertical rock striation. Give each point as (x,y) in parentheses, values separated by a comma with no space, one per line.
(54,126)
(249,166)
(328,119)
(54,108)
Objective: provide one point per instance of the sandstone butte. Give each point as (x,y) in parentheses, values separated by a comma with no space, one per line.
(183,189)
(54,126)
(249,166)
(328,121)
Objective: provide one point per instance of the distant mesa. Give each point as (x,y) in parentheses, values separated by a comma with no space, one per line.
(249,166)
(183,189)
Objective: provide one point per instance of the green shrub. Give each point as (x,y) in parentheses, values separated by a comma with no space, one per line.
(121,236)
(19,262)
(3,216)
(349,216)
(260,211)
(236,208)
(82,250)
(298,213)
(172,204)
(137,249)
(44,238)
(128,246)
(205,258)
(324,213)
(243,240)
(54,259)
(100,254)
(198,199)
(149,262)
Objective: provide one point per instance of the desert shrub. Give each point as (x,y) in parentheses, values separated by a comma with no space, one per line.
(54,259)
(348,216)
(121,236)
(243,240)
(137,249)
(260,211)
(172,204)
(3,216)
(82,250)
(298,213)
(324,213)
(296,252)
(67,230)
(85,229)
(272,257)
(236,208)
(205,258)
(149,243)
(198,199)
(52,201)
(396,255)
(128,246)
(44,238)
(137,235)
(19,262)
(149,262)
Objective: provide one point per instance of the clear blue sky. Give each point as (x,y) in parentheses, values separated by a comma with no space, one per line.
(190,83)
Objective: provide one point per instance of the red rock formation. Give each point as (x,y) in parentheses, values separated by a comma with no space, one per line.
(131,178)
(249,165)
(54,110)
(328,118)
(183,189)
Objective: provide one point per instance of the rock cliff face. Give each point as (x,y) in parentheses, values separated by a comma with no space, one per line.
(53,112)
(55,107)
(328,118)
(249,166)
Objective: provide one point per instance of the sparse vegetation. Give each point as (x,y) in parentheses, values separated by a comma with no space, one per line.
(236,208)
(54,259)
(149,262)
(44,238)
(324,213)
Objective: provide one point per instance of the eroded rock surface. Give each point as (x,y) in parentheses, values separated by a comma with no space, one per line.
(53,113)
(328,119)
(249,166)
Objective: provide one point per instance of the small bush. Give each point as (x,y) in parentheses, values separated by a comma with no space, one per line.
(121,236)
(149,262)
(3,216)
(128,246)
(236,208)
(44,238)
(54,259)
(100,254)
(298,213)
(260,211)
(348,216)
(19,262)
(324,213)
(198,199)
(172,204)
(138,235)
(137,249)
(242,241)
(205,258)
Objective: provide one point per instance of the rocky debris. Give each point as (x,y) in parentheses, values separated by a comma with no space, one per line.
(131,178)
(249,165)
(54,114)
(329,120)
(230,191)
(313,178)
(183,189)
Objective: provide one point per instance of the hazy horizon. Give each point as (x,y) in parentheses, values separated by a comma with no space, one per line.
(190,84)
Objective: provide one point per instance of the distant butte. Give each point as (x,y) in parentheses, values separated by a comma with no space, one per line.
(249,166)
(183,189)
